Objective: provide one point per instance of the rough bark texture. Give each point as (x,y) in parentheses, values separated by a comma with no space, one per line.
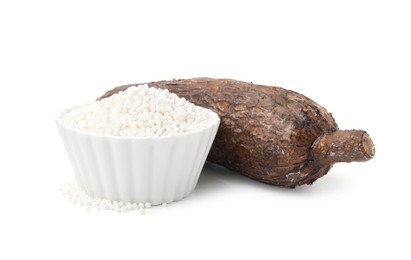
(266,133)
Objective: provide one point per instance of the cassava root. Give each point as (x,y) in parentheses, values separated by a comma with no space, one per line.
(270,134)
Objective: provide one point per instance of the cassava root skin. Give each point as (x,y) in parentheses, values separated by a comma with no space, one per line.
(270,134)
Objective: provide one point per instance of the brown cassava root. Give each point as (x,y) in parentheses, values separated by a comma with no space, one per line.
(270,134)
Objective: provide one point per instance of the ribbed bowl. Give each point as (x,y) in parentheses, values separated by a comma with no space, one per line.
(155,169)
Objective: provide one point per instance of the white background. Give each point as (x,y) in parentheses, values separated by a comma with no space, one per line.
(352,57)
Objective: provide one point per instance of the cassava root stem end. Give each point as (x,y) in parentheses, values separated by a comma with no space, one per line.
(343,146)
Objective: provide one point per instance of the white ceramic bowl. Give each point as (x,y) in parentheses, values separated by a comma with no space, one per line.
(155,169)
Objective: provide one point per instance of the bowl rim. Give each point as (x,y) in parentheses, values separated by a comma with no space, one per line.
(58,120)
